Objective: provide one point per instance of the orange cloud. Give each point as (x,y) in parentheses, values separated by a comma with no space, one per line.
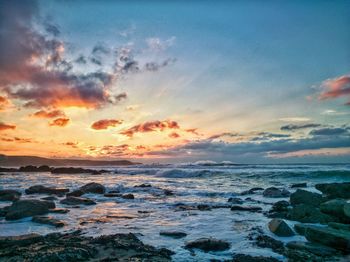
(17,140)
(337,87)
(174,135)
(59,122)
(105,123)
(49,114)
(151,126)
(193,131)
(71,144)
(4,103)
(4,126)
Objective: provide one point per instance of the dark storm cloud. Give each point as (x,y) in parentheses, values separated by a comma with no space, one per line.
(292,127)
(330,131)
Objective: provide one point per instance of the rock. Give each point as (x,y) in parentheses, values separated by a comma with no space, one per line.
(94,188)
(249,258)
(49,198)
(59,210)
(28,208)
(168,192)
(74,170)
(143,185)
(235,200)
(346,209)
(280,206)
(251,191)
(246,208)
(305,197)
(173,234)
(40,189)
(3,211)
(339,226)
(23,240)
(112,195)
(34,169)
(300,229)
(208,244)
(76,193)
(275,192)
(265,241)
(335,190)
(335,238)
(203,207)
(314,248)
(297,185)
(9,195)
(280,228)
(128,196)
(48,221)
(309,214)
(334,207)
(71,200)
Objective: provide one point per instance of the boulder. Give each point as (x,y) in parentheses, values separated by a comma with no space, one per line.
(203,207)
(331,237)
(128,196)
(346,209)
(70,200)
(314,248)
(309,214)
(49,198)
(76,193)
(59,210)
(246,208)
(298,185)
(334,207)
(143,185)
(251,191)
(208,244)
(280,206)
(112,195)
(74,170)
(249,258)
(28,208)
(335,190)
(280,228)
(300,229)
(40,189)
(235,200)
(339,226)
(23,240)
(94,188)
(3,211)
(34,169)
(48,221)
(9,195)
(173,234)
(275,192)
(265,241)
(305,197)
(168,192)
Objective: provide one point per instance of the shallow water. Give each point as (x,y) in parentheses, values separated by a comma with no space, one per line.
(191,184)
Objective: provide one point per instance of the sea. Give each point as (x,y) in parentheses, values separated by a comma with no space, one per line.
(152,211)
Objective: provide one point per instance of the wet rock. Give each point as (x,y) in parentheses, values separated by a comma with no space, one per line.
(235,200)
(112,195)
(6,170)
(305,197)
(48,221)
(23,240)
(94,188)
(275,192)
(34,169)
(204,207)
(184,207)
(265,241)
(249,258)
(309,214)
(9,195)
(335,238)
(280,228)
(246,208)
(335,190)
(70,200)
(168,192)
(173,234)
(49,198)
(59,210)
(128,196)
(76,193)
(314,248)
(280,206)
(40,189)
(208,244)
(143,185)
(28,208)
(300,229)
(298,185)
(334,207)
(346,209)
(339,226)
(3,211)
(251,191)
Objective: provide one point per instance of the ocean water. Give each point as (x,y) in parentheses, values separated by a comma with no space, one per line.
(151,211)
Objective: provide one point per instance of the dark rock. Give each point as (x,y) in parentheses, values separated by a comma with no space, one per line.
(76,193)
(34,169)
(246,208)
(94,188)
(3,211)
(334,207)
(335,190)
(49,198)
(203,207)
(59,210)
(265,241)
(346,210)
(128,196)
(235,200)
(251,191)
(297,185)
(340,226)
(208,244)
(249,258)
(71,200)
(74,170)
(280,206)
(314,248)
(309,214)
(305,197)
(280,228)
(40,189)
(168,192)
(275,192)
(48,221)
(143,185)
(300,229)
(173,234)
(112,195)
(23,240)
(28,208)
(9,195)
(7,170)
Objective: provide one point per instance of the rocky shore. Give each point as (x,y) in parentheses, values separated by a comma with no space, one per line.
(319,215)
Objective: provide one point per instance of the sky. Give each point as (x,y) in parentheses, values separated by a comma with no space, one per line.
(176,81)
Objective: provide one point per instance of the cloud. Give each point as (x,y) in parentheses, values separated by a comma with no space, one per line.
(157,44)
(151,126)
(292,127)
(49,114)
(4,126)
(4,103)
(71,144)
(105,123)
(335,88)
(294,119)
(61,122)
(330,131)
(193,131)
(17,140)
(174,135)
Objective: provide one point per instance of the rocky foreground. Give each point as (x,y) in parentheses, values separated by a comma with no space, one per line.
(323,219)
